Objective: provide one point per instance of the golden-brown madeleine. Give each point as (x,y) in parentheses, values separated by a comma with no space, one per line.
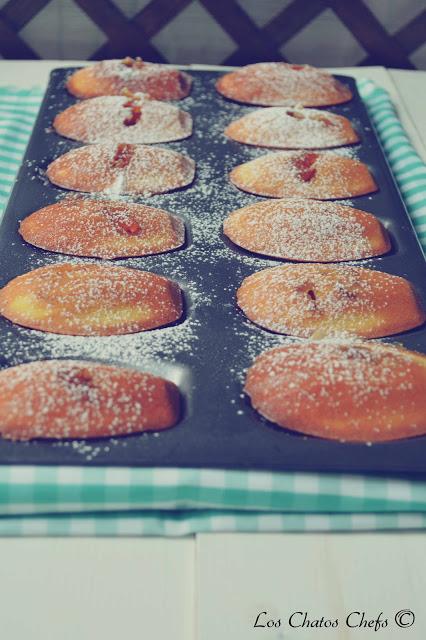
(292,128)
(91,299)
(102,228)
(111,77)
(78,399)
(121,169)
(130,119)
(360,392)
(307,230)
(290,174)
(318,299)
(280,84)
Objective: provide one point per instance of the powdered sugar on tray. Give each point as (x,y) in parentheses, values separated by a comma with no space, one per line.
(131,349)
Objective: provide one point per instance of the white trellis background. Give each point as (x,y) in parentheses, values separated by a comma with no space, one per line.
(322,32)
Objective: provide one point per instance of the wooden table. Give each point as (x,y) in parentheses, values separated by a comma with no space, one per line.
(212,587)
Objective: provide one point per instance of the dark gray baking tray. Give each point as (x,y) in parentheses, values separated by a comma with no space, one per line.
(208,353)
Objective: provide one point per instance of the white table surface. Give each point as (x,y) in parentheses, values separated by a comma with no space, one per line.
(210,587)
(239,577)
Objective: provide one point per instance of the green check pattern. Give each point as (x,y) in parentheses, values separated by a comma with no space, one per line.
(171,502)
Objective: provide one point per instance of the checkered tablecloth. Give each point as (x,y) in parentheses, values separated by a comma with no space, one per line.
(122,501)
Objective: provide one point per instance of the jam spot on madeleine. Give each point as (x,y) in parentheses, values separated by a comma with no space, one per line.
(123,155)
(307,287)
(311,294)
(134,104)
(326,121)
(307,174)
(81,380)
(305,160)
(131,227)
(133,62)
(135,115)
(81,377)
(295,114)
(305,171)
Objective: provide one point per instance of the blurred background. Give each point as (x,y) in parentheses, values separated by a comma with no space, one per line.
(321,32)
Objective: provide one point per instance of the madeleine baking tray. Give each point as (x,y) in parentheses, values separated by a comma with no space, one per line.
(208,352)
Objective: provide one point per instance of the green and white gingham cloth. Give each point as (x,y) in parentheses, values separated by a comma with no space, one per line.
(39,500)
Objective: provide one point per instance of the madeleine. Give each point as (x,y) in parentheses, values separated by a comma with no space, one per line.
(307,231)
(133,119)
(306,300)
(121,169)
(112,77)
(358,392)
(293,174)
(281,84)
(76,399)
(292,128)
(91,299)
(103,229)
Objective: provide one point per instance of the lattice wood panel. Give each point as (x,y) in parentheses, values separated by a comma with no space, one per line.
(238,37)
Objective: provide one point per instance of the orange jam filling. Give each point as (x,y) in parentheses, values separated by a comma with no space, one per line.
(135,116)
(306,172)
(133,62)
(122,156)
(132,228)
